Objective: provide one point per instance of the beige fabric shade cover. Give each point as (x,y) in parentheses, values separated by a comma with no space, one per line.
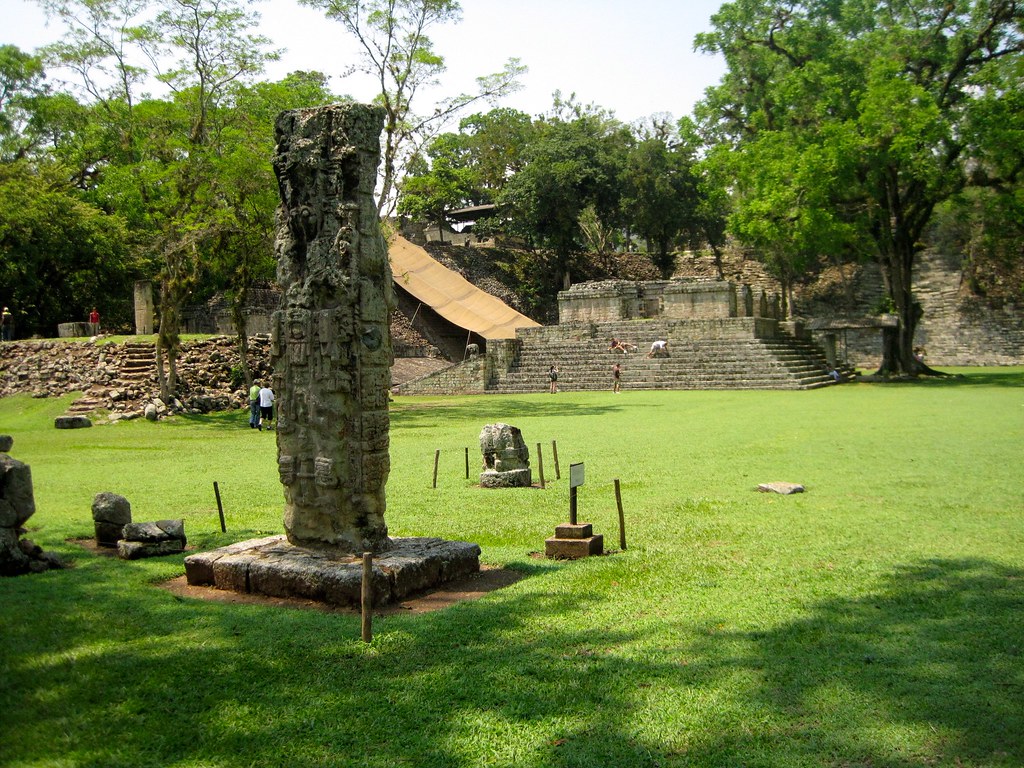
(450,295)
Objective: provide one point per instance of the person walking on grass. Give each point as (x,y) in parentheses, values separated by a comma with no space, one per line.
(553,378)
(616,378)
(266,408)
(254,405)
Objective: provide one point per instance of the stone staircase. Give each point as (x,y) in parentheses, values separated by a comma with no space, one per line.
(781,362)
(138,365)
(135,378)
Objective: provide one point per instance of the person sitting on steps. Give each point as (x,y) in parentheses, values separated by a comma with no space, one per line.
(622,346)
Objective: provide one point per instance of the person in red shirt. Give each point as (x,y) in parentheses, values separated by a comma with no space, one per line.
(94,322)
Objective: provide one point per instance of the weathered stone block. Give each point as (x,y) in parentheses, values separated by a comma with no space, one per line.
(134,550)
(161,530)
(516,478)
(277,568)
(13,560)
(109,507)
(199,566)
(570,531)
(571,549)
(16,491)
(781,487)
(72,422)
(108,534)
(6,443)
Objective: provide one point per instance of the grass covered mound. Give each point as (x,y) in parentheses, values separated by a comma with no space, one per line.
(873,620)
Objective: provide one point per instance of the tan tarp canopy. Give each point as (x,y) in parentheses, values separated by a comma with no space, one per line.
(450,295)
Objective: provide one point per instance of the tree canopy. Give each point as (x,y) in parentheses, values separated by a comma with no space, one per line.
(851,122)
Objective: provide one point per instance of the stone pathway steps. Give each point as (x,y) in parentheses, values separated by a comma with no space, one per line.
(585,364)
(135,370)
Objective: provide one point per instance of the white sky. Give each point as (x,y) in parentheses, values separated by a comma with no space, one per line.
(634,57)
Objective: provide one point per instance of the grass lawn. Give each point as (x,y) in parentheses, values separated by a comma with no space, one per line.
(875,620)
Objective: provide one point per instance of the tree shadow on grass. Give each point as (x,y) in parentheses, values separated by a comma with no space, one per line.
(495,408)
(426,413)
(937,651)
(981,377)
(521,678)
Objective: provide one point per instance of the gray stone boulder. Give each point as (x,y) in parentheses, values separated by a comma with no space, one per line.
(161,530)
(72,422)
(17,505)
(163,537)
(6,443)
(781,487)
(110,513)
(17,502)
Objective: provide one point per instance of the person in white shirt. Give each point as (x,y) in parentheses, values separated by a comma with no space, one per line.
(659,349)
(266,407)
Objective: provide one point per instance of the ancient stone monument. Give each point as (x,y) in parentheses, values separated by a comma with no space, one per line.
(332,353)
(506,457)
(17,505)
(330,344)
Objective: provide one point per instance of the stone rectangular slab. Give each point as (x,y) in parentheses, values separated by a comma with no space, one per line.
(274,567)
(780,487)
(571,531)
(572,549)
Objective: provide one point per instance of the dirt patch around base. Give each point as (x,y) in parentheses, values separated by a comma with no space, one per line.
(473,587)
(91,546)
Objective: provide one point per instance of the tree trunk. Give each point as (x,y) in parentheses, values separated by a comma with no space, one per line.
(168,342)
(898,343)
(242,330)
(718,261)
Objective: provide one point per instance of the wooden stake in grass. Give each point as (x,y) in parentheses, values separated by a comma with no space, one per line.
(467,462)
(367,597)
(540,465)
(220,508)
(622,518)
(437,458)
(554,454)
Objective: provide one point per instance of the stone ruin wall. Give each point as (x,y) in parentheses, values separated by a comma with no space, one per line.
(611,301)
(958,328)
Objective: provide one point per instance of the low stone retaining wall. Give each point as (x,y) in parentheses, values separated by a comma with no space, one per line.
(205,373)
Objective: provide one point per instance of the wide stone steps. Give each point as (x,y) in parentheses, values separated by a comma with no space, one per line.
(91,399)
(783,363)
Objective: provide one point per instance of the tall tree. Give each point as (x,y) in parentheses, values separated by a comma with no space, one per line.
(398,53)
(660,194)
(886,97)
(21,84)
(571,165)
(59,255)
(214,53)
(449,182)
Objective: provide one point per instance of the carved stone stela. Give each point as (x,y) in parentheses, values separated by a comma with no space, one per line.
(331,349)
(330,344)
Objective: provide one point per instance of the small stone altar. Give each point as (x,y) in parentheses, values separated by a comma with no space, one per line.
(506,457)
(331,349)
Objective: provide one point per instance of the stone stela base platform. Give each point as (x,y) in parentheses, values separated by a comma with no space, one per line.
(275,568)
(574,541)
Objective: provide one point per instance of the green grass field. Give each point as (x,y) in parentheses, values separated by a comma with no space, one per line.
(875,620)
